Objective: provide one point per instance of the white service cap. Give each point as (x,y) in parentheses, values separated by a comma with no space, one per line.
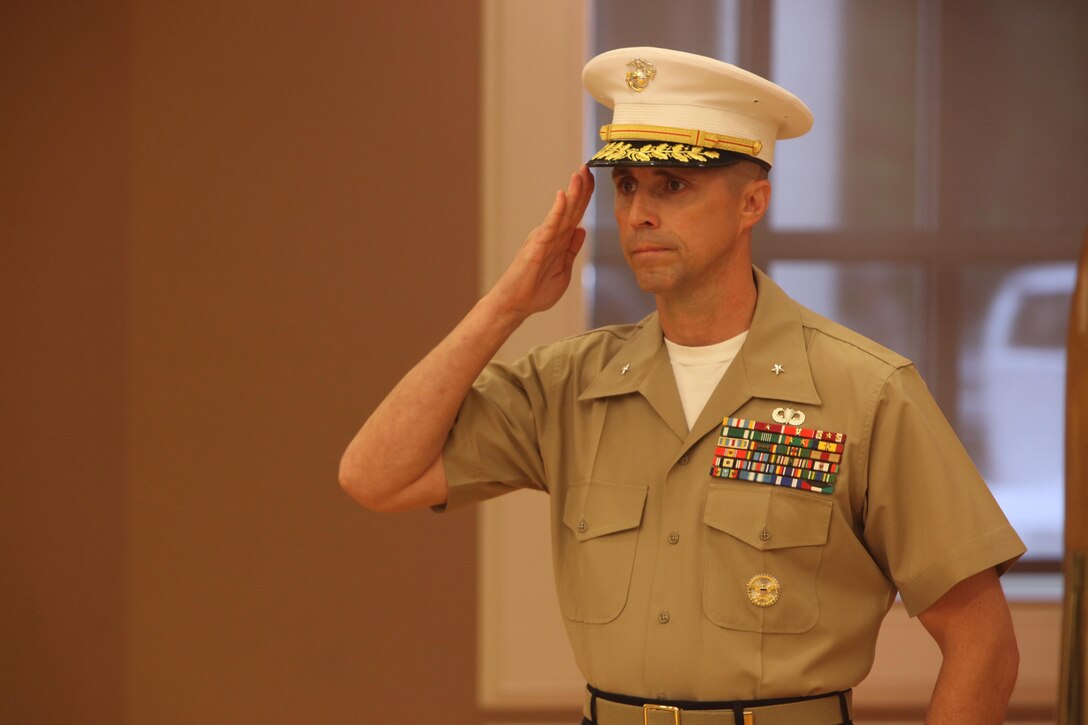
(678,109)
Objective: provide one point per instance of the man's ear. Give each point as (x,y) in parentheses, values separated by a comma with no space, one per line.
(754,201)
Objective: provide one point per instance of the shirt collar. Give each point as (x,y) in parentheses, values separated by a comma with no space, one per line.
(631,366)
(776,341)
(776,338)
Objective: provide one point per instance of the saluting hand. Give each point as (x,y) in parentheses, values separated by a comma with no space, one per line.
(541,271)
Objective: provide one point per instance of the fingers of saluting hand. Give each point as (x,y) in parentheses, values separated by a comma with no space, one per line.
(577,197)
(541,271)
(569,206)
(577,239)
(579,193)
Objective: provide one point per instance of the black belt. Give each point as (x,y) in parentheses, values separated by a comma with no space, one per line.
(606,708)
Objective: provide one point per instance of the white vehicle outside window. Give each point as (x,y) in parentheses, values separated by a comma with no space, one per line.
(1013,389)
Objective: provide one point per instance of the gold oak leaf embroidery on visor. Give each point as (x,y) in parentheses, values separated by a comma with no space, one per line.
(778,454)
(623,151)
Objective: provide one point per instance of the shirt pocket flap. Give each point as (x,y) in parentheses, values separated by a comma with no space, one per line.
(768,519)
(599,508)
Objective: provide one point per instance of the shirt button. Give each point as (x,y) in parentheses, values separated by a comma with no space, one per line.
(663,616)
(582,526)
(684,459)
(674,537)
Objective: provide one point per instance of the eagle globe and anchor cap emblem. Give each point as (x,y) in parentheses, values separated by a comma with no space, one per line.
(640,77)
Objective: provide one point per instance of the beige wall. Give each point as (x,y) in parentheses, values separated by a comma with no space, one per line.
(214,261)
(62,382)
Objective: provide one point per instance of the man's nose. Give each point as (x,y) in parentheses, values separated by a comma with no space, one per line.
(642,211)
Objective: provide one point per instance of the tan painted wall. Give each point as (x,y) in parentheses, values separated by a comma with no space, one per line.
(225,230)
(62,380)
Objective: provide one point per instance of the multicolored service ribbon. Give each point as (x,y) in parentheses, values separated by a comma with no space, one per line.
(778,455)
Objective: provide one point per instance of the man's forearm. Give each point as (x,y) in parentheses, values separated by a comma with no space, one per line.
(974,689)
(972,625)
(379,462)
(399,446)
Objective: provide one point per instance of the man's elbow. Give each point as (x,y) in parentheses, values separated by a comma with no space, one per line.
(1000,657)
(355,482)
(1004,654)
(1007,661)
(377,491)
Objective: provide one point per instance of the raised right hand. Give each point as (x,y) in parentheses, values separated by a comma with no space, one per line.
(378,469)
(541,270)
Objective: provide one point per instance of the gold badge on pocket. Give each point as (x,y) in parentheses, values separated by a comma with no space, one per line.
(763,590)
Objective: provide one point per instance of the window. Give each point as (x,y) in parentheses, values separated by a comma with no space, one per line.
(936,207)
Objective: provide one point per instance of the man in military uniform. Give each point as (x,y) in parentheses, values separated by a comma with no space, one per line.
(739,487)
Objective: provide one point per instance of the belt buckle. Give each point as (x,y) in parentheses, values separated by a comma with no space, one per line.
(646,709)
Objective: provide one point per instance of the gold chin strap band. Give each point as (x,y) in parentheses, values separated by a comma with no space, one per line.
(669,134)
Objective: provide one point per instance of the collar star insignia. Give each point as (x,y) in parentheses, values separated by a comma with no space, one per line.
(777,370)
(625,369)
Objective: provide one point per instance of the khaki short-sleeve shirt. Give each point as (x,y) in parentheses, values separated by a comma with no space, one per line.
(655,558)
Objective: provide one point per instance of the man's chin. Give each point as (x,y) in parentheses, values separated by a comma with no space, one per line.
(652,284)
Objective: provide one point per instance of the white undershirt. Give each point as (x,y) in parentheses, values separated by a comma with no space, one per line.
(699,369)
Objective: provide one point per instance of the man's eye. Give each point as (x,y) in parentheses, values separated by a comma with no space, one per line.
(674,185)
(626,186)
